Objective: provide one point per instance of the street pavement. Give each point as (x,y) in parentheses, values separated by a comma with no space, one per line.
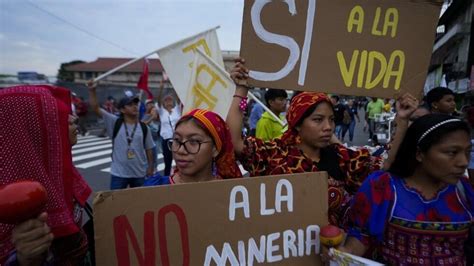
(92,156)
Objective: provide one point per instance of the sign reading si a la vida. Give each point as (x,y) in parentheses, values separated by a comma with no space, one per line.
(376,48)
(274,219)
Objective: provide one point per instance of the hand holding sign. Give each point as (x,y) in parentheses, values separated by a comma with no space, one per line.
(240,73)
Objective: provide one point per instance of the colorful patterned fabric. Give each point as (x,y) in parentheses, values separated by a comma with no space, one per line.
(219,131)
(409,229)
(347,168)
(298,106)
(34,132)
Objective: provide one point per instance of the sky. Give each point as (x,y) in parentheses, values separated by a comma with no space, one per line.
(39,35)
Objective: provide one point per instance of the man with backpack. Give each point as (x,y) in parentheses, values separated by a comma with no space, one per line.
(132,143)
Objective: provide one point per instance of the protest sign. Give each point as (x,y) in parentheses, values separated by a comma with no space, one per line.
(355,47)
(177,58)
(210,86)
(260,220)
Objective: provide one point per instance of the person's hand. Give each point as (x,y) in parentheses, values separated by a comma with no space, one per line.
(405,106)
(150,171)
(239,73)
(32,240)
(91,84)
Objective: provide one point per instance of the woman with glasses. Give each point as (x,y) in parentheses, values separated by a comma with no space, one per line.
(202,149)
(307,145)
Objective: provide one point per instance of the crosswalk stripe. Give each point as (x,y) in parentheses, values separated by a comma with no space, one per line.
(94,163)
(90,140)
(75,147)
(79,137)
(92,148)
(91,155)
(107,170)
(160,167)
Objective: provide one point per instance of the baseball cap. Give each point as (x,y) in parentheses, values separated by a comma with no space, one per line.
(127,100)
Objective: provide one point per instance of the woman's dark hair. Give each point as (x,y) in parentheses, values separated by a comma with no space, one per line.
(310,110)
(405,161)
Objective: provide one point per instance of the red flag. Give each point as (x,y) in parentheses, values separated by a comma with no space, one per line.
(143,81)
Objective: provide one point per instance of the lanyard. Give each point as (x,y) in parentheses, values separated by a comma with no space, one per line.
(130,138)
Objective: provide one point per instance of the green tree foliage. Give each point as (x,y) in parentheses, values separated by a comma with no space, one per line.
(65,75)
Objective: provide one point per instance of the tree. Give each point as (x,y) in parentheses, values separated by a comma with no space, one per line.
(65,75)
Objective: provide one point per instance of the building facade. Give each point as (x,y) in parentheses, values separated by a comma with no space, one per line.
(453,52)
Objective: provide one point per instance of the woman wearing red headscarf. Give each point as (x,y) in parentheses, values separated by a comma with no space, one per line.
(307,145)
(37,132)
(202,149)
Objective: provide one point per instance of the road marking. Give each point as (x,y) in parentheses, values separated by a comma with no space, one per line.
(79,137)
(91,155)
(92,148)
(94,163)
(90,140)
(91,144)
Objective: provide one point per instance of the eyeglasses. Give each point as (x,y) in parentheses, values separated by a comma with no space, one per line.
(192,146)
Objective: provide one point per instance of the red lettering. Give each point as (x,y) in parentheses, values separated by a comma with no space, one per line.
(122,228)
(183,226)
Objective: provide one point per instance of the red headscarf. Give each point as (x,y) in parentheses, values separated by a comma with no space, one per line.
(298,106)
(220,133)
(34,145)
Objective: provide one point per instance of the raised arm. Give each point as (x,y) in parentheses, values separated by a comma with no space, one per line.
(405,106)
(93,97)
(235,116)
(160,93)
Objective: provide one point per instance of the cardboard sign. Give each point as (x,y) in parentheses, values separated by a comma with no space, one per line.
(376,48)
(248,221)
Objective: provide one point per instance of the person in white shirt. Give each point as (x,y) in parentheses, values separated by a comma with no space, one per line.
(169,113)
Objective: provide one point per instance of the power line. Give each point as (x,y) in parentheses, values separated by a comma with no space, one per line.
(80,29)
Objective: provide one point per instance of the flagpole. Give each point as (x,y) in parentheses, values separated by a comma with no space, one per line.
(266,108)
(108,73)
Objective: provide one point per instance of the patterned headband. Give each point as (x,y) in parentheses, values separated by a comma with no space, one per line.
(435,127)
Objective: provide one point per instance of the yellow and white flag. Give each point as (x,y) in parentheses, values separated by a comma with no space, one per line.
(177,59)
(210,86)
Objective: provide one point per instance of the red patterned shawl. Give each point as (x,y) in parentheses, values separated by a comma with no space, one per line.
(34,145)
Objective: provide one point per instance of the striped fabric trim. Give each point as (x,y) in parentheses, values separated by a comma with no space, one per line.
(201,116)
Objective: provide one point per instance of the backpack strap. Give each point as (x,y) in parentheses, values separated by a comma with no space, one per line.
(117,125)
(145,132)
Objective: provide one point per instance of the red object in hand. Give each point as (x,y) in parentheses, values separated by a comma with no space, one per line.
(331,235)
(21,201)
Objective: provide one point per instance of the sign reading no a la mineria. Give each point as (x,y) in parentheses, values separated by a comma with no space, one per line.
(248,221)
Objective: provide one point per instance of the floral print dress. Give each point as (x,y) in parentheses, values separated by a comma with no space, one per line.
(347,168)
(408,229)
